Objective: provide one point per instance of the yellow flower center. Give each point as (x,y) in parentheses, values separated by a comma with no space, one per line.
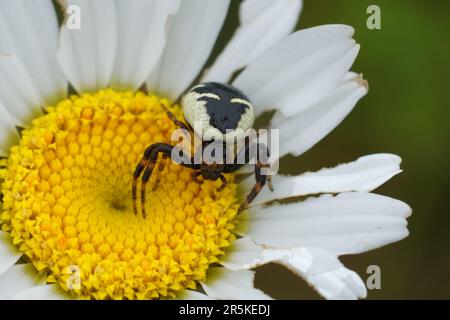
(67,201)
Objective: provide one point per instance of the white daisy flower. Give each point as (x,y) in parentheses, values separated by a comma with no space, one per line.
(68,228)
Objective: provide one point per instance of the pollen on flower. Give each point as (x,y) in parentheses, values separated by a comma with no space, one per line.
(67,201)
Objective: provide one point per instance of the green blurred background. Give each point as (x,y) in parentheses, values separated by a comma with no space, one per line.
(406,112)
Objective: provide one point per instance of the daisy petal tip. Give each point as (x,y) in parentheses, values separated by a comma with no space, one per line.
(402,209)
(343,29)
(359,79)
(363,82)
(409,212)
(394,158)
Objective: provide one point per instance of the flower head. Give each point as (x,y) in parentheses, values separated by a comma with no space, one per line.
(66,177)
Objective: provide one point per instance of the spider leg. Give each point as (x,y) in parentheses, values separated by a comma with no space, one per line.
(269,183)
(150,159)
(142,164)
(161,167)
(260,178)
(174,119)
(145,178)
(195,176)
(185,127)
(243,153)
(137,173)
(260,182)
(265,163)
(224,183)
(153,158)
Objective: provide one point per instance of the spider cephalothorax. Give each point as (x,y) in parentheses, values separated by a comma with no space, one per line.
(216,113)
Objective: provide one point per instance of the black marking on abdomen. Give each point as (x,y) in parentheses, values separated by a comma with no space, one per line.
(223,114)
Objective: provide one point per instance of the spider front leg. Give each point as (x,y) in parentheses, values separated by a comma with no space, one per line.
(260,182)
(174,119)
(165,149)
(179,124)
(195,176)
(161,166)
(224,183)
(137,173)
(269,177)
(147,165)
(269,183)
(261,179)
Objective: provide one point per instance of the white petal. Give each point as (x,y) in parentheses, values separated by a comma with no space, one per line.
(28,30)
(261,27)
(322,270)
(8,132)
(87,55)
(191,39)
(9,254)
(193,295)
(232,285)
(299,70)
(19,278)
(18,92)
(346,224)
(302,131)
(251,9)
(42,292)
(365,174)
(142,29)
(243,254)
(318,267)
(349,76)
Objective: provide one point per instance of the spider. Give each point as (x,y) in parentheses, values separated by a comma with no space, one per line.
(221,110)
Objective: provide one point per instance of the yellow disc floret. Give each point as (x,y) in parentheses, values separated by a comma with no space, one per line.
(67,201)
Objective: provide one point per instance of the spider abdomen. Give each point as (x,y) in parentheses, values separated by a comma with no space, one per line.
(217,111)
